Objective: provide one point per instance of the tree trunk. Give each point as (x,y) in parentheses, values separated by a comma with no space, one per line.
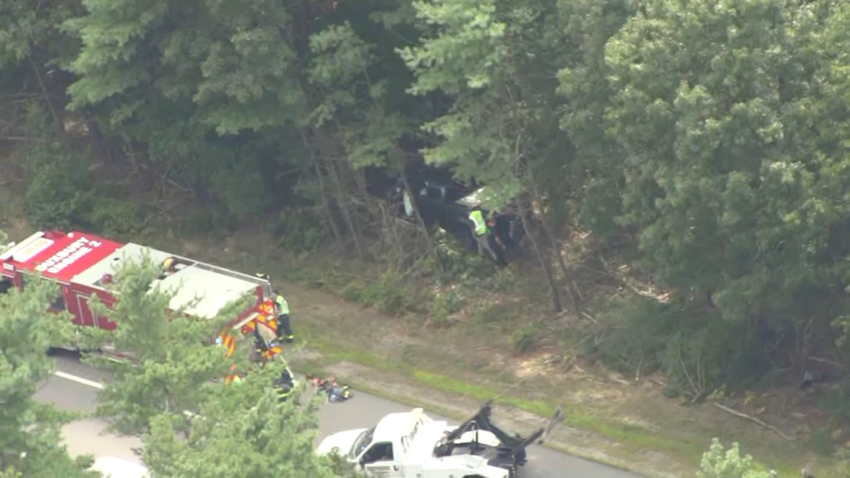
(325,206)
(343,206)
(341,202)
(553,286)
(57,119)
(428,239)
(571,288)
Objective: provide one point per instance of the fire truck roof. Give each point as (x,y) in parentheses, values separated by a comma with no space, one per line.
(57,255)
(200,289)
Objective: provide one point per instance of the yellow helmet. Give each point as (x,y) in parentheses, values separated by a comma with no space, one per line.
(168,263)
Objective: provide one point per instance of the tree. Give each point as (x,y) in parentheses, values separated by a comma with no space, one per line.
(30,432)
(734,177)
(501,128)
(720,463)
(31,42)
(171,365)
(238,430)
(241,432)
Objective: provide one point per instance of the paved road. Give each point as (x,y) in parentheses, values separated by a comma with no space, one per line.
(84,436)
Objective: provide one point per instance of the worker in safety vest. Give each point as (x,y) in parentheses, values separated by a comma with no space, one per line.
(284,327)
(285,385)
(481,231)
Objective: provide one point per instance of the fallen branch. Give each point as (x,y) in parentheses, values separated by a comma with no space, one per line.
(754,419)
(826,361)
(19,138)
(637,374)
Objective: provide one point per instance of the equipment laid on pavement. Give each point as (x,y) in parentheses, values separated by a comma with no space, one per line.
(84,265)
(333,389)
(412,445)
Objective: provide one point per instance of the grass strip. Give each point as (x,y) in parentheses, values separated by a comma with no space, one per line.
(632,437)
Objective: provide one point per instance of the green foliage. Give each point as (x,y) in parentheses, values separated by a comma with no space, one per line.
(10,472)
(240,430)
(30,440)
(388,294)
(173,364)
(56,195)
(444,305)
(457,265)
(696,352)
(720,463)
(116,218)
(25,30)
(299,231)
(59,182)
(835,400)
(720,170)
(704,142)
(525,338)
(822,443)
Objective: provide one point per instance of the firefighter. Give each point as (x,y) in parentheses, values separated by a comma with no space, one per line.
(284,328)
(481,232)
(285,385)
(168,266)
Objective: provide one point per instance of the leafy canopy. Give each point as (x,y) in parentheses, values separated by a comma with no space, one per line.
(30,432)
(237,430)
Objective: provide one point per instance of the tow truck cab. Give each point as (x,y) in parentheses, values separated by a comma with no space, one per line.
(412,445)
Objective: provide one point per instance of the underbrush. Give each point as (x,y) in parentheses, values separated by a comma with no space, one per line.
(697,351)
(388,294)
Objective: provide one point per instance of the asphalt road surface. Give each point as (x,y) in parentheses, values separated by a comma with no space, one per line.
(74,389)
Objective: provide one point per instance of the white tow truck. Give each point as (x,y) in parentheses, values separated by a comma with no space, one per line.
(413,445)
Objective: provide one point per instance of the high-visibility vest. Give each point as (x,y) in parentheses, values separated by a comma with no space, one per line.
(283,306)
(477,217)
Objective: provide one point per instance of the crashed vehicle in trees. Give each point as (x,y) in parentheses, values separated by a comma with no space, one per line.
(445,203)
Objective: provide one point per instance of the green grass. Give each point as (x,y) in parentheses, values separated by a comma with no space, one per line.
(632,438)
(630,435)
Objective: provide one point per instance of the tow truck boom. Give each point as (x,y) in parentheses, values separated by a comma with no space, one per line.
(511,448)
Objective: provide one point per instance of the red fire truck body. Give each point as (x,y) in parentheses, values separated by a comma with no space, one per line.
(83,264)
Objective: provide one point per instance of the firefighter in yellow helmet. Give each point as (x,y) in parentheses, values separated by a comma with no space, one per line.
(168,266)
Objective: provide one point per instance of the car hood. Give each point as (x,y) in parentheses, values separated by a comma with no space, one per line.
(342,440)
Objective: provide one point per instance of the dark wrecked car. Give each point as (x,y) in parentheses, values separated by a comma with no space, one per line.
(447,204)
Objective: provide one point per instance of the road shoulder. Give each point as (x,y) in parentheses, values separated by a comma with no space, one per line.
(404,389)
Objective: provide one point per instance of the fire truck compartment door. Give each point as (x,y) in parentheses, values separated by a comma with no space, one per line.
(85,316)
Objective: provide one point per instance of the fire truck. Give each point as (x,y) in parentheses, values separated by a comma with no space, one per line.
(83,266)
